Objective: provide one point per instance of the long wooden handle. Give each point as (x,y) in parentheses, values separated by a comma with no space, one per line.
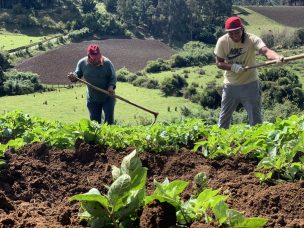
(119,97)
(286,59)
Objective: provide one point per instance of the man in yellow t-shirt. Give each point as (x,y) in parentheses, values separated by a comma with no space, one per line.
(233,51)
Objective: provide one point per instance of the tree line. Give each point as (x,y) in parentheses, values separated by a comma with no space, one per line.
(269,2)
(34,4)
(173,19)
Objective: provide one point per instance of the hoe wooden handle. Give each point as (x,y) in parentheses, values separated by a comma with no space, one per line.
(286,59)
(118,97)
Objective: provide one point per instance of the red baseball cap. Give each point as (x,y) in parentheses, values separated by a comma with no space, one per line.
(93,49)
(233,23)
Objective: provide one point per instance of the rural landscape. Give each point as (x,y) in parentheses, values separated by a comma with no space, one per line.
(170,166)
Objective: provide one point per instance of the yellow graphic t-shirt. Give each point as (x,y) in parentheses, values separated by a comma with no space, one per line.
(239,53)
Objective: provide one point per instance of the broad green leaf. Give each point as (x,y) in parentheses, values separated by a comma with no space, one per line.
(91,198)
(262,176)
(134,202)
(251,223)
(119,188)
(139,177)
(220,212)
(130,163)
(94,208)
(234,217)
(100,222)
(115,172)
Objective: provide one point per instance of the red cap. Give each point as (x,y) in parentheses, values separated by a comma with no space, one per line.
(233,23)
(93,49)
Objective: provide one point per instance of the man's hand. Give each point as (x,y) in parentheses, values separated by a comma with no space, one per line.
(280,61)
(72,77)
(237,68)
(111,90)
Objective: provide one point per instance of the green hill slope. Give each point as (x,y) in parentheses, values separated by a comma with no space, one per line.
(68,105)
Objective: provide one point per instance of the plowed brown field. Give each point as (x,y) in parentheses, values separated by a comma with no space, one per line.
(133,54)
(292,16)
(36,185)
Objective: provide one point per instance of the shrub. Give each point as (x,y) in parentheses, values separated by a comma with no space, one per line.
(17,83)
(4,60)
(124,75)
(268,39)
(189,92)
(80,34)
(173,86)
(194,53)
(211,98)
(280,85)
(145,82)
(285,38)
(300,34)
(158,65)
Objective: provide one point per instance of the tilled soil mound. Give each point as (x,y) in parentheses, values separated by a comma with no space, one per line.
(133,54)
(37,182)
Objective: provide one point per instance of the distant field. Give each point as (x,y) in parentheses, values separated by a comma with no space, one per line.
(292,16)
(68,105)
(14,40)
(134,54)
(256,23)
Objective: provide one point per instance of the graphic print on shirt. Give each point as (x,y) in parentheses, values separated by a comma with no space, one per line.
(234,53)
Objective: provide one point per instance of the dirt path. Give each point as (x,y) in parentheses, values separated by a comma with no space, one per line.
(37,182)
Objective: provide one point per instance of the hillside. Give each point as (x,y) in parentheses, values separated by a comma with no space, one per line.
(53,66)
(292,16)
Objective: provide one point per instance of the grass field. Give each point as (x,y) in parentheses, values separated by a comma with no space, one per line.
(68,105)
(14,40)
(198,75)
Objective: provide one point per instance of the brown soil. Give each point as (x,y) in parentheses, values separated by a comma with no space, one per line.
(133,54)
(37,182)
(292,16)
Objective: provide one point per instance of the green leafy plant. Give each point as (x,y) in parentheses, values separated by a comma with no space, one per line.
(125,196)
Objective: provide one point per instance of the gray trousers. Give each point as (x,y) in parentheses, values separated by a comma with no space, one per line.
(249,95)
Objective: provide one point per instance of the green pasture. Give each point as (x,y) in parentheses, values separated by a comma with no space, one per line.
(198,75)
(257,23)
(68,105)
(11,40)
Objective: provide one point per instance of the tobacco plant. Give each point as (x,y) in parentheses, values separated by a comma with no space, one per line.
(125,196)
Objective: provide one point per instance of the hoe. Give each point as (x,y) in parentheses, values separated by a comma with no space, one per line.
(286,59)
(119,97)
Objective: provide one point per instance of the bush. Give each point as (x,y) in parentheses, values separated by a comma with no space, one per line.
(4,63)
(173,86)
(300,34)
(211,98)
(285,38)
(194,53)
(18,83)
(158,65)
(280,85)
(189,92)
(80,34)
(123,75)
(268,39)
(145,82)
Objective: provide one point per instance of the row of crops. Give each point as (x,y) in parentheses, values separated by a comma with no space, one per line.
(278,146)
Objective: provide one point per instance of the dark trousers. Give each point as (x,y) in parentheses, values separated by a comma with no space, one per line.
(95,110)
